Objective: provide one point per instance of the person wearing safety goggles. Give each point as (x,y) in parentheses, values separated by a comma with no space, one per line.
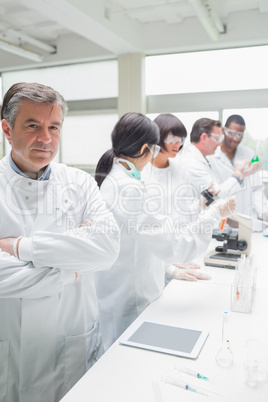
(166,186)
(195,166)
(148,238)
(251,200)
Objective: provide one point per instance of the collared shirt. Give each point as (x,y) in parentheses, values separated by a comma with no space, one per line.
(44,176)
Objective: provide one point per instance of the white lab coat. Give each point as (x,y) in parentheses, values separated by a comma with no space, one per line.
(147,240)
(251,197)
(170,193)
(172,196)
(197,171)
(49,332)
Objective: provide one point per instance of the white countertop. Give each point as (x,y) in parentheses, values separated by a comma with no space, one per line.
(126,374)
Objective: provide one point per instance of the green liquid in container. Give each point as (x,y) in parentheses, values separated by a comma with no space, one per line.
(255,159)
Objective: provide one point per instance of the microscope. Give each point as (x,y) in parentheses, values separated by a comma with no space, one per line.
(236,242)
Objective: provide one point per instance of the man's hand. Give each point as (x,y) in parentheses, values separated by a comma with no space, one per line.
(6,245)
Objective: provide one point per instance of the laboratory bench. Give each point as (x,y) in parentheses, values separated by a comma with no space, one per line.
(131,374)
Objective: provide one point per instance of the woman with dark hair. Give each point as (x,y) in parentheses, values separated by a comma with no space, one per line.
(164,182)
(147,238)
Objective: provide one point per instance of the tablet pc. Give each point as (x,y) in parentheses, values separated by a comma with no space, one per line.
(179,341)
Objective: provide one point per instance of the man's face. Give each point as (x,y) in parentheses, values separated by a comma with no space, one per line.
(233,135)
(213,140)
(35,135)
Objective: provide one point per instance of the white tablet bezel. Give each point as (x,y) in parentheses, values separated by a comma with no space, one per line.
(124,340)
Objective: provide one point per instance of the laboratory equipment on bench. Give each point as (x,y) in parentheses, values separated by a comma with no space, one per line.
(225,356)
(236,242)
(244,285)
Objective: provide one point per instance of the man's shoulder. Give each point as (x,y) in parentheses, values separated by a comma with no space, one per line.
(64,173)
(244,152)
(4,162)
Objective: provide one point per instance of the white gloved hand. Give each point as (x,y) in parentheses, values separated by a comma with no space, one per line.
(189,274)
(192,265)
(225,206)
(245,168)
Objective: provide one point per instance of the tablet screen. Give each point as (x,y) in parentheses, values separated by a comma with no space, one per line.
(165,338)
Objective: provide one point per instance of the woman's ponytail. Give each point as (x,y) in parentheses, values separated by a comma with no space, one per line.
(104,166)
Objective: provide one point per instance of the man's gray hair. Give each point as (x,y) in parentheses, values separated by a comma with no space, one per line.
(32,91)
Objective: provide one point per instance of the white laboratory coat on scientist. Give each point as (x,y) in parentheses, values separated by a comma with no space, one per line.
(49,332)
(147,241)
(251,196)
(170,193)
(199,174)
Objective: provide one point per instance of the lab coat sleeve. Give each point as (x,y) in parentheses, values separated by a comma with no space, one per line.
(177,243)
(229,187)
(80,249)
(202,177)
(20,280)
(167,238)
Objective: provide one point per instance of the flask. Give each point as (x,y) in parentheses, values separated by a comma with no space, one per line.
(255,159)
(224,356)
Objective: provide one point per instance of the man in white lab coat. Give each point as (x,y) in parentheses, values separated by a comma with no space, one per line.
(55,231)
(252,197)
(196,169)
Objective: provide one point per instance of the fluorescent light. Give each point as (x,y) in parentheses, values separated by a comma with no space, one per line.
(208,18)
(20,51)
(28,39)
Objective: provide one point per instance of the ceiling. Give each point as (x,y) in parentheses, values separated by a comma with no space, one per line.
(69,31)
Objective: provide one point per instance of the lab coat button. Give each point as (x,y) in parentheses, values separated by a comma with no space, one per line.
(27,198)
(30,183)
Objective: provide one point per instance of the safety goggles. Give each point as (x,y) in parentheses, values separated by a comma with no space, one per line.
(154,149)
(174,139)
(233,134)
(216,137)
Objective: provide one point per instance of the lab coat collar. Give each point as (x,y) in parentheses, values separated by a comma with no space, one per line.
(45,175)
(197,154)
(53,200)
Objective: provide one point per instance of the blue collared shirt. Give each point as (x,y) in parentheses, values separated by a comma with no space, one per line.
(44,176)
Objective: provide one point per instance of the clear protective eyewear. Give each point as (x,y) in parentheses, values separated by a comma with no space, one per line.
(154,149)
(216,137)
(233,134)
(173,139)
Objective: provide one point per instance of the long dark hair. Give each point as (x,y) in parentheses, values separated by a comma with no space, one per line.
(130,133)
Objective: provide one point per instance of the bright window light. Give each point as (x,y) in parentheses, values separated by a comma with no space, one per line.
(75,82)
(208,71)
(85,138)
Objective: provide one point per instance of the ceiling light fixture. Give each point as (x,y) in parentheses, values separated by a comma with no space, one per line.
(20,51)
(20,36)
(208,18)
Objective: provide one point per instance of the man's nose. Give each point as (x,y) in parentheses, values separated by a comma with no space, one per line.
(44,136)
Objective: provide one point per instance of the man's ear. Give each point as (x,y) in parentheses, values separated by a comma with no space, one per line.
(203,136)
(6,130)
